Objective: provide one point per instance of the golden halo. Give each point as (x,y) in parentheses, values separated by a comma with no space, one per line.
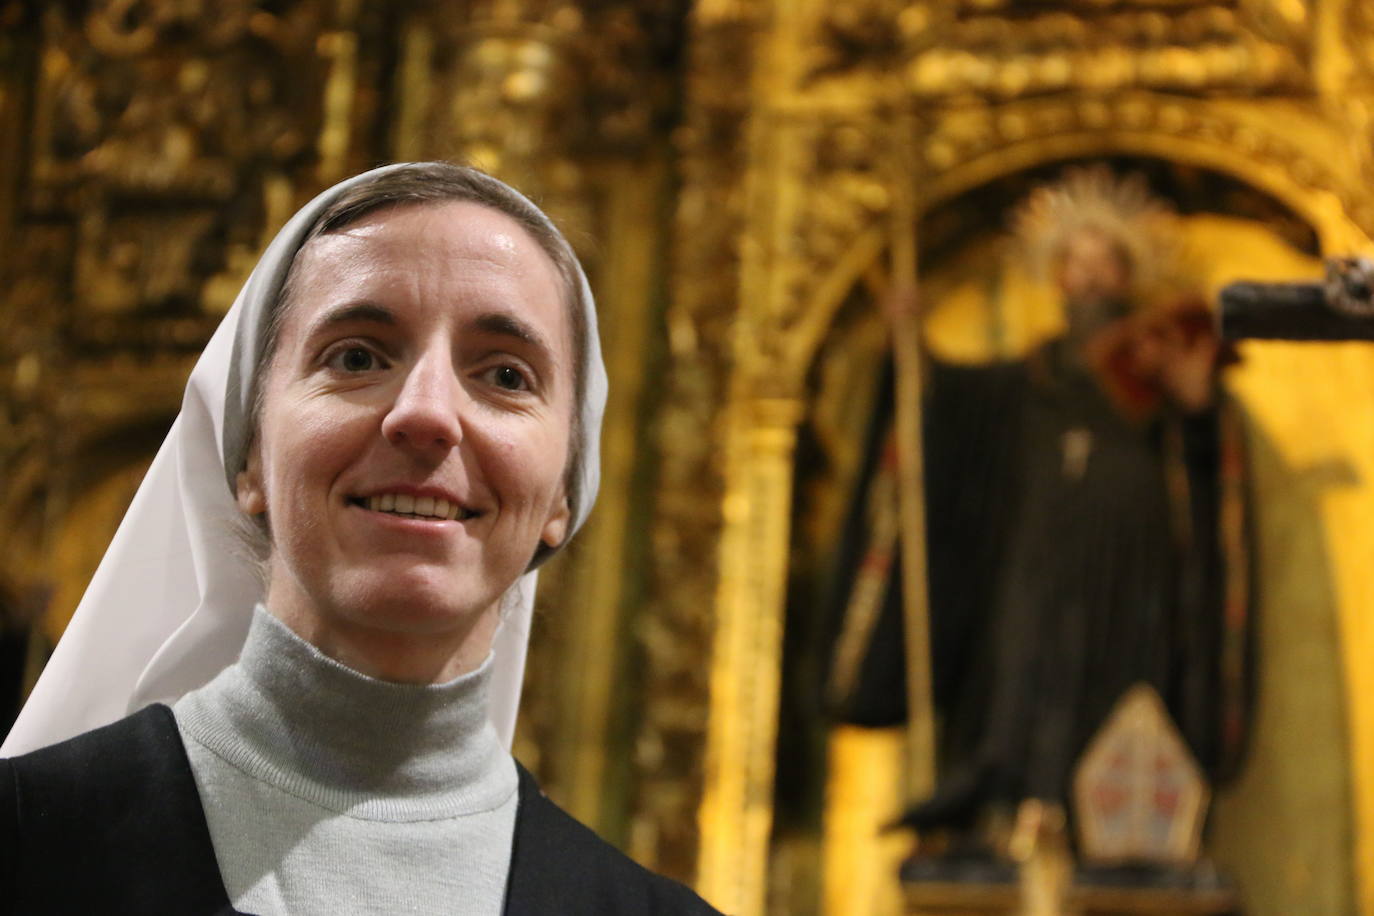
(1094,199)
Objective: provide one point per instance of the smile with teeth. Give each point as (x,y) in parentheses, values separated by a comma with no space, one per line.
(408,506)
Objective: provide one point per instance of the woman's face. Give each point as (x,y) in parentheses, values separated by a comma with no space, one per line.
(416,421)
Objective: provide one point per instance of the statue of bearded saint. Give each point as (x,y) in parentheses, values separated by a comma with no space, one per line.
(1086,524)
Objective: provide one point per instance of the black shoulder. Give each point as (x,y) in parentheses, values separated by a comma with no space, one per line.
(9,838)
(113,816)
(149,736)
(560,866)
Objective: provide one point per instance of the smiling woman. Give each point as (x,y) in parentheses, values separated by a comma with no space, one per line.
(426,356)
(404,401)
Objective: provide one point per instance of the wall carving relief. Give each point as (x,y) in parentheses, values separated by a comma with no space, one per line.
(999,51)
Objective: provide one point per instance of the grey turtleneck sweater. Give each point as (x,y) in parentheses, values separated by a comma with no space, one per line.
(330,792)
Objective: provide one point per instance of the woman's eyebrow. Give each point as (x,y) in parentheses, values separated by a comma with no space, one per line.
(508,325)
(359,311)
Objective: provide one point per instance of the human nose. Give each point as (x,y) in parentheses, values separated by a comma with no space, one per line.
(425,414)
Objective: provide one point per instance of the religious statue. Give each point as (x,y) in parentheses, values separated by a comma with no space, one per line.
(1086,521)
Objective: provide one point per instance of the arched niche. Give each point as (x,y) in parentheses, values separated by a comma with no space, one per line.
(1289,807)
(823,217)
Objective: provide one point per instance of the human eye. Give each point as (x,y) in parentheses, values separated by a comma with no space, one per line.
(353,358)
(507,378)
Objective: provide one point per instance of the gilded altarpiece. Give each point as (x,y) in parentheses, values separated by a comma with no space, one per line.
(733,170)
(864,117)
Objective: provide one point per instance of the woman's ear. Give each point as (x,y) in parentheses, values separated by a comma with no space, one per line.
(556,528)
(248,490)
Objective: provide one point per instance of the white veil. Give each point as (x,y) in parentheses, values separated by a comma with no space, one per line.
(170,603)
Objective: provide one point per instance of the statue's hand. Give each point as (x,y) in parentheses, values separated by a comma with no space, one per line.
(1186,364)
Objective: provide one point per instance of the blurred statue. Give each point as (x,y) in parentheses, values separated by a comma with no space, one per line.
(1086,518)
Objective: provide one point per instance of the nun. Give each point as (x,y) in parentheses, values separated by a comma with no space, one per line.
(292,683)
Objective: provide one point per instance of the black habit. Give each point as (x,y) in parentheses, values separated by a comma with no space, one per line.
(111,822)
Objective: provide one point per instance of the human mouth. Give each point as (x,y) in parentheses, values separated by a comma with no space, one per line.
(407,505)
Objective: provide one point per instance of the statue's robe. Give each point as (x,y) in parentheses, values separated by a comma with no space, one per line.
(1075,548)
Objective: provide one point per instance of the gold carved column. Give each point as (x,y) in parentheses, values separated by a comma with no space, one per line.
(817,196)
(737,803)
(676,630)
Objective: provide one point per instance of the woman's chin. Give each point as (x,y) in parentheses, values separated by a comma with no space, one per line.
(417,606)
